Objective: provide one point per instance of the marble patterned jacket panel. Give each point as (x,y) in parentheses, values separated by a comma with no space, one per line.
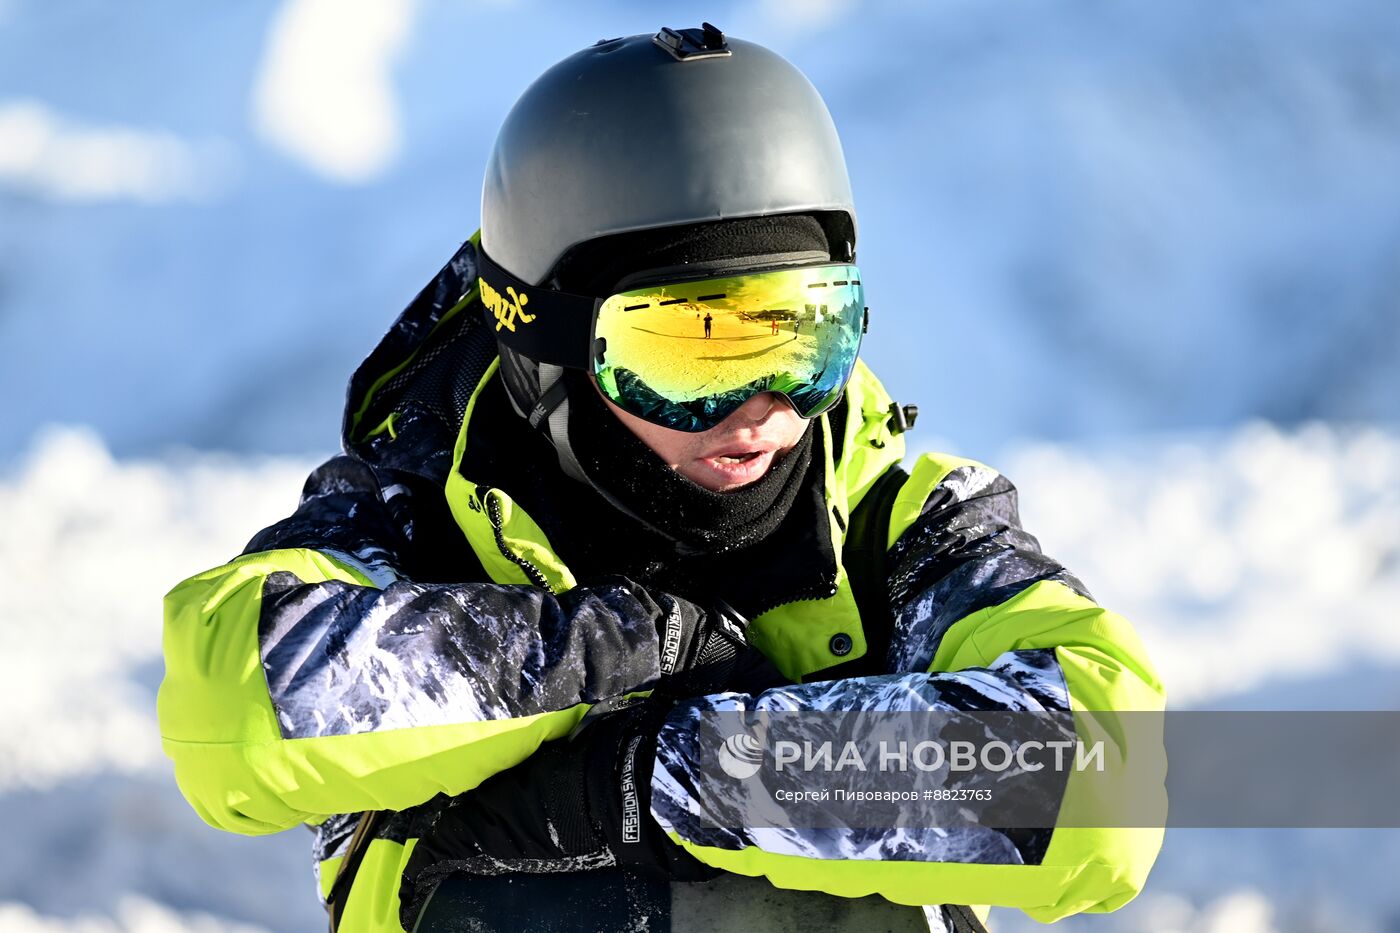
(342,658)
(966,551)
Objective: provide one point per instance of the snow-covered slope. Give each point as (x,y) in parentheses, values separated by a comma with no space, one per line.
(1218,547)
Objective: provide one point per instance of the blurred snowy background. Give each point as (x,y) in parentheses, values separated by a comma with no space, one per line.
(1141,257)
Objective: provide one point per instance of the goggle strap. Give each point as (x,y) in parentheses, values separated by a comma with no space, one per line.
(543,324)
(547,402)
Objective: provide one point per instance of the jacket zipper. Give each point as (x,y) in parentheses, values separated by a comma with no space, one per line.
(493,511)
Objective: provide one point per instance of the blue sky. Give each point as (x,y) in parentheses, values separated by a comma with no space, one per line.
(1077,222)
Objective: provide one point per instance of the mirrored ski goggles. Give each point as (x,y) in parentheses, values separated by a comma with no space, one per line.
(685,355)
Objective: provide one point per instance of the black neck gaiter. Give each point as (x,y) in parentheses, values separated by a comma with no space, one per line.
(696,519)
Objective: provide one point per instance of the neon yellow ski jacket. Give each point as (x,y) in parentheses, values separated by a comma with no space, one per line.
(409,632)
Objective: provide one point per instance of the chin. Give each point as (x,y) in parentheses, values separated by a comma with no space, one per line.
(722,487)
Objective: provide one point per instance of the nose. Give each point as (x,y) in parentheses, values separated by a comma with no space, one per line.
(761,405)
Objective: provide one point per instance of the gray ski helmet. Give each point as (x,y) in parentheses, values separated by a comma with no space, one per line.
(653,131)
(645,133)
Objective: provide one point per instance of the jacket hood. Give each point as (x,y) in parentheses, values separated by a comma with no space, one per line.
(413,387)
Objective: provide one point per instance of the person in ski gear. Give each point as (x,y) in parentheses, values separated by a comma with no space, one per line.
(473,658)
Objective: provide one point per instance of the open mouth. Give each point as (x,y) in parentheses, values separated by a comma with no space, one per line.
(732,468)
(737,457)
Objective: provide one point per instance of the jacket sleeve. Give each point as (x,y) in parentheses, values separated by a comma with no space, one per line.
(983,621)
(311,676)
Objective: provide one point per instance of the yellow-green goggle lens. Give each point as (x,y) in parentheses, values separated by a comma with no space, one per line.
(686,355)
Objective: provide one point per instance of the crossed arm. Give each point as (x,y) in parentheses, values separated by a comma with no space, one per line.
(311,676)
(983,621)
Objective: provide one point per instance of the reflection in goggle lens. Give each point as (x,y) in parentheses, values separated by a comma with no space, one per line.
(686,355)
